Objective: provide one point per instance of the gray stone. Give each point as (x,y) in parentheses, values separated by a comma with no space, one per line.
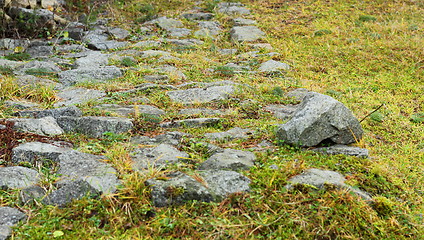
(150,86)
(10,216)
(95,36)
(89,74)
(171,138)
(92,59)
(272,66)
(30,82)
(283,112)
(70,48)
(298,94)
(73,96)
(147,44)
(107,45)
(201,95)
(179,32)
(229,159)
(344,150)
(119,33)
(21,104)
(95,126)
(38,65)
(243,22)
(5,232)
(198,16)
(184,42)
(74,165)
(154,53)
(43,126)
(320,178)
(208,28)
(2,126)
(232,8)
(74,190)
(55,113)
(37,152)
(40,51)
(228,51)
(166,23)
(222,183)
(203,111)
(263,46)
(192,123)
(234,133)
(126,110)
(11,44)
(157,78)
(10,64)
(177,190)
(320,118)
(31,194)
(207,186)
(246,34)
(174,73)
(157,157)
(17,177)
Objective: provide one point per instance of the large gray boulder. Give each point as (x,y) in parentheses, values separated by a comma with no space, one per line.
(95,126)
(37,152)
(206,186)
(229,159)
(74,165)
(158,157)
(17,177)
(320,179)
(320,118)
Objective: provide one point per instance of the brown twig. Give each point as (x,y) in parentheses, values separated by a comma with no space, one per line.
(375,110)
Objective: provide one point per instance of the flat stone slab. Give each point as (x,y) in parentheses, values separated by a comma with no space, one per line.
(246,34)
(107,45)
(201,95)
(46,126)
(17,177)
(207,186)
(171,138)
(10,216)
(74,190)
(126,110)
(55,113)
(197,16)
(31,82)
(192,123)
(89,74)
(233,8)
(93,58)
(234,133)
(36,152)
(95,126)
(273,66)
(157,157)
(343,150)
(229,159)
(73,96)
(320,178)
(38,65)
(74,165)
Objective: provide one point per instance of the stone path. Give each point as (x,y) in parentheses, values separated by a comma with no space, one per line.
(317,119)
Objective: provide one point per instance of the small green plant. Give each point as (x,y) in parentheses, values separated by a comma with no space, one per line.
(40,72)
(417,117)
(383,206)
(367,18)
(322,32)
(147,11)
(18,57)
(6,70)
(377,117)
(225,71)
(128,62)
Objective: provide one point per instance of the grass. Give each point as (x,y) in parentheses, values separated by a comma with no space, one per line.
(364,54)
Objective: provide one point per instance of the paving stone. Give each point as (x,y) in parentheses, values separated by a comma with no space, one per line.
(246,34)
(229,159)
(17,177)
(157,157)
(343,150)
(73,96)
(89,74)
(55,113)
(37,152)
(74,190)
(192,123)
(46,126)
(201,95)
(198,16)
(232,8)
(272,66)
(243,22)
(126,110)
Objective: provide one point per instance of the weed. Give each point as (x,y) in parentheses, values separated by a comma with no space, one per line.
(40,72)
(18,57)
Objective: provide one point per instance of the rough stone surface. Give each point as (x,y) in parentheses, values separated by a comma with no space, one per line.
(38,65)
(283,112)
(107,45)
(320,178)
(233,8)
(229,159)
(192,123)
(74,165)
(93,58)
(119,33)
(234,133)
(171,138)
(320,118)
(243,22)
(55,113)
(272,66)
(201,95)
(126,110)
(157,157)
(198,16)
(344,150)
(246,34)
(95,126)
(44,126)
(74,190)
(222,183)
(30,82)
(36,151)
(89,74)
(208,28)
(30,194)
(17,177)
(203,111)
(72,96)
(10,216)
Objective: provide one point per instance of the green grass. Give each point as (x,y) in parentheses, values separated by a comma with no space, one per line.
(364,54)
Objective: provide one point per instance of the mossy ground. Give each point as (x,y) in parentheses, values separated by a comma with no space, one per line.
(364,54)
